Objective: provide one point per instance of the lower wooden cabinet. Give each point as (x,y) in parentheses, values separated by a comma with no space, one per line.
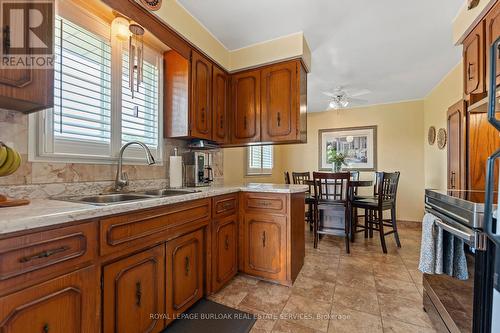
(224,251)
(61,305)
(264,245)
(134,289)
(184,285)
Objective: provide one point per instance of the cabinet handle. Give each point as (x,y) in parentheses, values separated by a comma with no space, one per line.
(245,122)
(44,254)
(45,328)
(264,239)
(221,122)
(186,264)
(469,76)
(226,242)
(452,180)
(138,293)
(265,203)
(279,119)
(228,205)
(202,115)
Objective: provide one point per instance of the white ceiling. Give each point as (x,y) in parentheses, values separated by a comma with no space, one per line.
(397,49)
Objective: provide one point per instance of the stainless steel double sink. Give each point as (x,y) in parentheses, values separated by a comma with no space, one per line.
(116,198)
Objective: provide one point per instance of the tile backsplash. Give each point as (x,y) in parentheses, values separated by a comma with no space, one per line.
(39,176)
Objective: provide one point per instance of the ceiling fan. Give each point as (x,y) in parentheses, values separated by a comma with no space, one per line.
(340,97)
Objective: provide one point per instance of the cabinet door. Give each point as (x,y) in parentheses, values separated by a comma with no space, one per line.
(201,114)
(264,248)
(492,33)
(225,251)
(246,107)
(220,86)
(61,305)
(280,104)
(456,146)
(184,272)
(473,56)
(134,289)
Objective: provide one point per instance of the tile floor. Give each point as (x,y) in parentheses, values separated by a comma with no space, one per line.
(366,291)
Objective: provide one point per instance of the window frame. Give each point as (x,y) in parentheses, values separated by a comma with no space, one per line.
(42,143)
(258,171)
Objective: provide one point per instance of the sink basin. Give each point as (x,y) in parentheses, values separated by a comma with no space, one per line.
(107,199)
(167,192)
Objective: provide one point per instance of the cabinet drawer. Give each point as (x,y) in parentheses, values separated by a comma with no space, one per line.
(37,255)
(125,231)
(224,205)
(268,202)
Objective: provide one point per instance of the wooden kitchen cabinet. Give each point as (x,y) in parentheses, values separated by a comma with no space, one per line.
(492,21)
(61,305)
(456,119)
(220,105)
(26,89)
(224,251)
(474,63)
(264,245)
(245,107)
(134,288)
(280,102)
(184,272)
(201,97)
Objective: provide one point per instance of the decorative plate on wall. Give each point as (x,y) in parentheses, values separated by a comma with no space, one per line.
(431,135)
(152,4)
(441,138)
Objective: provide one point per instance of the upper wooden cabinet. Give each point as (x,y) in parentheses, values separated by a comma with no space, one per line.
(280,102)
(245,107)
(474,63)
(27,89)
(456,146)
(220,105)
(201,97)
(492,22)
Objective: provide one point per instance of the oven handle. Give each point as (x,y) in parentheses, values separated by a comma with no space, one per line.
(474,238)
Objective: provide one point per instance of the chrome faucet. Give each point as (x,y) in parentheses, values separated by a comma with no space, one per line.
(121,177)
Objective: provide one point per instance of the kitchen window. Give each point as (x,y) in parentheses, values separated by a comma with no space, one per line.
(94,112)
(259,160)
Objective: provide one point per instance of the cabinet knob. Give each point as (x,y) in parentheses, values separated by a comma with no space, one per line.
(264,239)
(279,119)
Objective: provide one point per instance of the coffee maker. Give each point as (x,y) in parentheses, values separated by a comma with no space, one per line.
(198,168)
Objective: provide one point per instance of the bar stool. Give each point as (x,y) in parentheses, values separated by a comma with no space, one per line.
(385,199)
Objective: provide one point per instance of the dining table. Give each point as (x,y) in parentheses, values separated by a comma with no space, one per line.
(354,185)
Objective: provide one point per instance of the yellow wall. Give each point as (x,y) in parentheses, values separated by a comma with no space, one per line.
(446,93)
(235,168)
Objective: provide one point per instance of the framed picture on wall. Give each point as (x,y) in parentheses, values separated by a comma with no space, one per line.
(357,144)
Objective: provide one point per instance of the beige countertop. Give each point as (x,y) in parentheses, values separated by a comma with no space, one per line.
(48,212)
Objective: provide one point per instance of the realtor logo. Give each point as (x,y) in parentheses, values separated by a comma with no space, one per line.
(27,39)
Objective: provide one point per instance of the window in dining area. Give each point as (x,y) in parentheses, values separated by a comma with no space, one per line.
(259,160)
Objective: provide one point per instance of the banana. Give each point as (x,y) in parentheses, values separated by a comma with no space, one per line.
(16,164)
(3,154)
(9,161)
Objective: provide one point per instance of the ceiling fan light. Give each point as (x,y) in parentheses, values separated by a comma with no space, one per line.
(344,103)
(333,105)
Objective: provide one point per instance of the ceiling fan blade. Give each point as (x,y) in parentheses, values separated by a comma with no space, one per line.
(329,94)
(359,92)
(357,100)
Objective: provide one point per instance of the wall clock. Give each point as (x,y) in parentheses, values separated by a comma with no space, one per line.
(152,4)
(431,135)
(441,138)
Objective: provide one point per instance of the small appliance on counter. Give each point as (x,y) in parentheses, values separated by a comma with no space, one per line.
(198,168)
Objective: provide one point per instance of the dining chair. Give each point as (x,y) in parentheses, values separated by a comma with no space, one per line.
(303,178)
(287,177)
(384,199)
(331,191)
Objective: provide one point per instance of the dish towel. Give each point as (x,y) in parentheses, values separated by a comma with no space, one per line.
(440,251)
